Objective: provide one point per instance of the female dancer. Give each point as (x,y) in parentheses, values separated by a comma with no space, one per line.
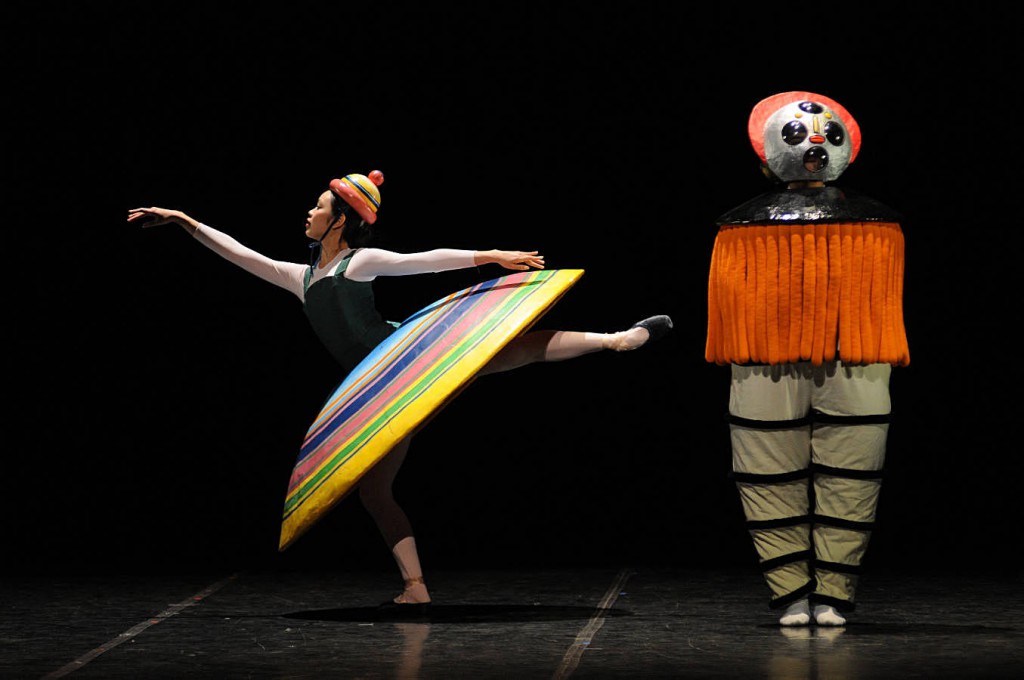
(336,292)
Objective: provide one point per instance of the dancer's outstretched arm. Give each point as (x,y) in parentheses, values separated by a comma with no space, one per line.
(287,275)
(369,263)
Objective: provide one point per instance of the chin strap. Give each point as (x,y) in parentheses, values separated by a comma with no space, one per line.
(318,246)
(315,249)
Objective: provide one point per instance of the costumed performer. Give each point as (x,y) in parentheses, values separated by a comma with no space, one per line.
(805,304)
(337,295)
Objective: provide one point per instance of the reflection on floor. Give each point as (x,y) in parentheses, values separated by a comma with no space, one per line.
(635,623)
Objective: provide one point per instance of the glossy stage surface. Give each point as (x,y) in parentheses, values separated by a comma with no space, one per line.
(622,622)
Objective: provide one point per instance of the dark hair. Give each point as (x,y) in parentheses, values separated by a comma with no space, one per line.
(357,233)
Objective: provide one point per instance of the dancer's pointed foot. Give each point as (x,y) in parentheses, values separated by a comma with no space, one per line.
(825,615)
(656,326)
(796,614)
(639,334)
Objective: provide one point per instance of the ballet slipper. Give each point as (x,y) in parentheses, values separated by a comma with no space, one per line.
(656,326)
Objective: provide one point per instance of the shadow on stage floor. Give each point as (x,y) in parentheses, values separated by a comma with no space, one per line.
(622,622)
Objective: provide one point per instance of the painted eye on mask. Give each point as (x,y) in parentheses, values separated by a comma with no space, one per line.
(834,133)
(810,107)
(816,159)
(794,132)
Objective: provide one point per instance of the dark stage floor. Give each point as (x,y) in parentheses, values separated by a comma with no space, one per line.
(599,623)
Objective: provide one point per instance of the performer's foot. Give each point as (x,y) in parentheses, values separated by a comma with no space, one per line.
(796,614)
(639,334)
(824,615)
(413,602)
(415,592)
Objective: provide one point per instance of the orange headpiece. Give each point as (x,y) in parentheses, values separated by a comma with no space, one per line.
(803,136)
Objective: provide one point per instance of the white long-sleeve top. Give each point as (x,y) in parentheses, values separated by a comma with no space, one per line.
(366,265)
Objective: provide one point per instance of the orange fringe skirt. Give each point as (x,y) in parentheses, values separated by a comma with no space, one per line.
(807,292)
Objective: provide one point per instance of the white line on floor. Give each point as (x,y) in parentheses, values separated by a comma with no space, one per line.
(583,638)
(173,610)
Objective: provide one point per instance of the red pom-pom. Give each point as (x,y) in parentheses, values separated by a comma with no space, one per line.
(377,177)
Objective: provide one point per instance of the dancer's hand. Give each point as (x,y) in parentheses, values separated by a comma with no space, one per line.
(511,259)
(154,217)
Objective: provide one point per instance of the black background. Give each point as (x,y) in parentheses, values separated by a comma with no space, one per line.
(157,396)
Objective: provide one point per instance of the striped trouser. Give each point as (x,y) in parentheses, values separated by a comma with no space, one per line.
(808,447)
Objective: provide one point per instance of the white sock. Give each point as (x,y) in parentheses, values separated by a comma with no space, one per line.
(824,615)
(796,614)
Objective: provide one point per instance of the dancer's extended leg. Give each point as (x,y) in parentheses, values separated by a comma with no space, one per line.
(375,491)
(540,346)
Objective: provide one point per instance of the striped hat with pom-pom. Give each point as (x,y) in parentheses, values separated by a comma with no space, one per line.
(360,192)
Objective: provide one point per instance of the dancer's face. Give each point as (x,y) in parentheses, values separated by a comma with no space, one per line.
(319,219)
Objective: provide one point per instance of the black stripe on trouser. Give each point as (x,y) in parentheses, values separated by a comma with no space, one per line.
(812,417)
(776,478)
(767,424)
(851,569)
(753,524)
(816,468)
(876,419)
(841,523)
(848,473)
